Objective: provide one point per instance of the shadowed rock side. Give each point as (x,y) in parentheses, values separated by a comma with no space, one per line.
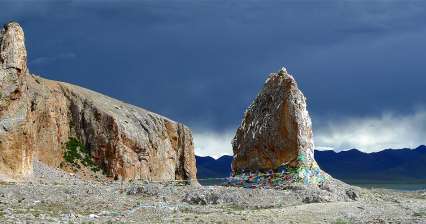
(39,116)
(276,128)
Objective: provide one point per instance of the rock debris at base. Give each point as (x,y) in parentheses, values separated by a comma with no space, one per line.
(53,196)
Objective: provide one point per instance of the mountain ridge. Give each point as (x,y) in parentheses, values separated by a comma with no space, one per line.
(353,165)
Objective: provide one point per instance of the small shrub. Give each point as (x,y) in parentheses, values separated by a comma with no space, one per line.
(341,221)
(76,153)
(420,214)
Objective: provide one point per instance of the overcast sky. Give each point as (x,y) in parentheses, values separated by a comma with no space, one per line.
(361,64)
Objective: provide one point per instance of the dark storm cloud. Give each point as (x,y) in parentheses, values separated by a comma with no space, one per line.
(202,62)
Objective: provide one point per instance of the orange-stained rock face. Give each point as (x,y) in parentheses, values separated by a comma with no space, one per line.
(127,141)
(276,128)
(15,132)
(38,116)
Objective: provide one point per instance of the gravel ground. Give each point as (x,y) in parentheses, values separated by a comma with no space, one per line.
(53,196)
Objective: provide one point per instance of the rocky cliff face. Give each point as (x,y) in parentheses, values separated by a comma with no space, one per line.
(276,128)
(39,116)
(15,131)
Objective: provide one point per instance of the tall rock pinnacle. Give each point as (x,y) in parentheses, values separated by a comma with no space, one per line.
(12,47)
(15,130)
(13,63)
(276,129)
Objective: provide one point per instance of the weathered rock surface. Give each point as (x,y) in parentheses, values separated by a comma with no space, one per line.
(13,51)
(15,130)
(276,128)
(38,117)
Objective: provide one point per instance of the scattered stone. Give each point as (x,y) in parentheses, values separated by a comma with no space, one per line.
(351,194)
(146,190)
(204,197)
(313,199)
(93,216)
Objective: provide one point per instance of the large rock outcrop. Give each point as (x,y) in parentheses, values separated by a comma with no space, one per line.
(15,130)
(38,117)
(276,129)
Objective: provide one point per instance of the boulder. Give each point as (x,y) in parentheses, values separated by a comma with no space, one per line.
(39,117)
(276,129)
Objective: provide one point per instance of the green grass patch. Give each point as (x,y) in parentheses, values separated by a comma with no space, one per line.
(341,221)
(76,153)
(420,214)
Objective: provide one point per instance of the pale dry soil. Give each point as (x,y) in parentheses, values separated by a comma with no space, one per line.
(53,196)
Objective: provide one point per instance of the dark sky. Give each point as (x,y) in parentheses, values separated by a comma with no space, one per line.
(202,62)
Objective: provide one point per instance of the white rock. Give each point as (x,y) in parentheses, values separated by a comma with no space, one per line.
(93,216)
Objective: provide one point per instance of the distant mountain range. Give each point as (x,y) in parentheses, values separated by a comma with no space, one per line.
(353,166)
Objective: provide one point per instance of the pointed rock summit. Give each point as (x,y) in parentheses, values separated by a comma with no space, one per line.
(13,62)
(276,129)
(13,52)
(79,130)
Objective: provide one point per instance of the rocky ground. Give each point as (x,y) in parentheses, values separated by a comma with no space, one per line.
(54,196)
